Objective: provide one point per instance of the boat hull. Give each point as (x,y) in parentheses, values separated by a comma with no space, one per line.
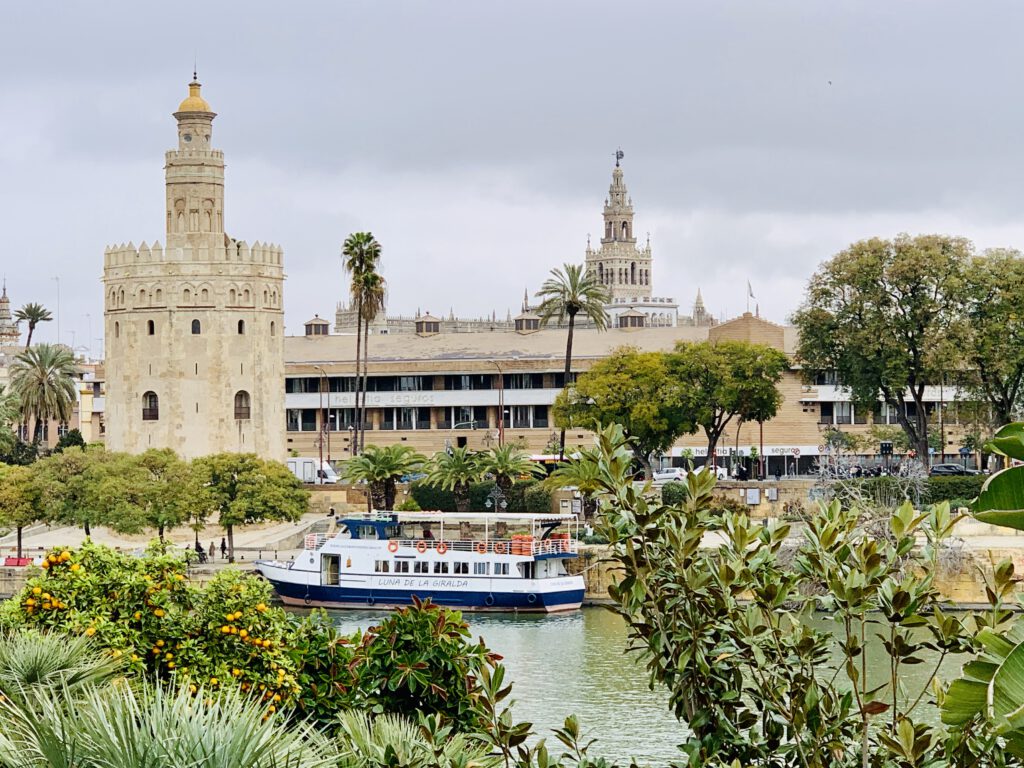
(468,599)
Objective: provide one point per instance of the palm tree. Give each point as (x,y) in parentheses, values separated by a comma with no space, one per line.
(33,314)
(380,469)
(455,471)
(564,295)
(582,472)
(372,290)
(43,380)
(360,252)
(506,463)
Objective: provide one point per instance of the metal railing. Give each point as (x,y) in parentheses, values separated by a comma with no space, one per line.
(526,546)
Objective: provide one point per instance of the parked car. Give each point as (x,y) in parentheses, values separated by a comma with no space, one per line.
(678,474)
(951,469)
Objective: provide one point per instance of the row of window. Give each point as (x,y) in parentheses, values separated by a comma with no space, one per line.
(455,417)
(456,382)
(155,298)
(197,328)
(440,567)
(151,406)
(883,413)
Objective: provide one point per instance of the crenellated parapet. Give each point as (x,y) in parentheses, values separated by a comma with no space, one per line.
(234,251)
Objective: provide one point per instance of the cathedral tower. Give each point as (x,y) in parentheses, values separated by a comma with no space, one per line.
(194,329)
(9,334)
(619,264)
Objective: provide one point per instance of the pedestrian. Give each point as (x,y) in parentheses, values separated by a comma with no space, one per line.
(223,548)
(213,550)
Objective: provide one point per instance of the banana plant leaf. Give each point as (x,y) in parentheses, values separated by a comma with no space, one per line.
(1001,501)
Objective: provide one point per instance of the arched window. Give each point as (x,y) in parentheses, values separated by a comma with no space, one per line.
(242,405)
(632,273)
(600,273)
(159,296)
(625,231)
(246,295)
(120,298)
(186,296)
(142,297)
(266,296)
(205,296)
(150,327)
(232,297)
(273,328)
(273,299)
(117,330)
(241,327)
(150,406)
(197,327)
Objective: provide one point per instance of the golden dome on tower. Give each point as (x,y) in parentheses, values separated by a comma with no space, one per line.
(194,102)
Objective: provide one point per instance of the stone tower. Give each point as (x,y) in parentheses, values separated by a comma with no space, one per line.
(619,264)
(194,329)
(10,336)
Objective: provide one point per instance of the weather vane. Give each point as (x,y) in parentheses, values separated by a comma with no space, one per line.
(619,154)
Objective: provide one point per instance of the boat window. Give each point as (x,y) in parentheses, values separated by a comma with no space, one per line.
(401,566)
(480,569)
(421,566)
(501,569)
(460,568)
(329,566)
(382,566)
(440,567)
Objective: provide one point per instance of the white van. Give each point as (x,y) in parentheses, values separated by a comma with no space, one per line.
(306,470)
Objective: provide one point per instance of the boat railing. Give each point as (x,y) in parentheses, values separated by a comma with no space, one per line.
(316,540)
(526,545)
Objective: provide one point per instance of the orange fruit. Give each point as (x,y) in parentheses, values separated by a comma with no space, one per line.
(37,590)
(90,631)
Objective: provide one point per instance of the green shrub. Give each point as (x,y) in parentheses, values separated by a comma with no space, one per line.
(408,505)
(429,497)
(517,495)
(537,499)
(673,493)
(954,487)
(478,493)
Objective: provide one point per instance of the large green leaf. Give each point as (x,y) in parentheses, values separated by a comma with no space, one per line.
(1008,441)
(1001,501)
(1006,693)
(964,700)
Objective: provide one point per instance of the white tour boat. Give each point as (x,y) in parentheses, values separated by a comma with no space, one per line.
(473,561)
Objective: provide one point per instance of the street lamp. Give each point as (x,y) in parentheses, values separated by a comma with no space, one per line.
(501,404)
(327,426)
(496,499)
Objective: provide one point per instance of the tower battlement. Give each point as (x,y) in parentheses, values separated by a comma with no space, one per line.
(237,252)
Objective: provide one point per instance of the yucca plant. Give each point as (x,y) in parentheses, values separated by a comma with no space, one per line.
(34,662)
(117,726)
(366,741)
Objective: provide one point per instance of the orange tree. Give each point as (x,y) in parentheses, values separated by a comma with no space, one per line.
(144,608)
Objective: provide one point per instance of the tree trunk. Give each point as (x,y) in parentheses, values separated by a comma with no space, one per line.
(568,370)
(231,542)
(354,444)
(88,531)
(389,494)
(461,492)
(366,360)
(37,433)
(19,540)
(712,460)
(378,492)
(28,341)
(160,532)
(645,462)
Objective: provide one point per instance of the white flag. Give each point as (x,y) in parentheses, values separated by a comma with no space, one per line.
(750,290)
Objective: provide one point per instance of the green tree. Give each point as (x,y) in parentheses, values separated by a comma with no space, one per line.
(20,504)
(43,380)
(563,296)
(8,416)
(455,471)
(725,380)
(372,292)
(245,489)
(634,389)
(992,336)
(360,253)
(507,463)
(68,487)
(70,439)
(583,473)
(884,316)
(381,469)
(33,314)
(171,491)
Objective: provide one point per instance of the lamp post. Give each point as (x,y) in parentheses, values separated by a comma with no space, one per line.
(327,426)
(320,437)
(501,404)
(496,499)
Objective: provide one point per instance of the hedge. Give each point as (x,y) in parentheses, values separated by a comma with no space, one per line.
(525,497)
(954,487)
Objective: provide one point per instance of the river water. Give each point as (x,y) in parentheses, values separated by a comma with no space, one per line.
(577,663)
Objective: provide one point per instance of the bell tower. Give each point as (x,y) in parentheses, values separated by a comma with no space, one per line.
(619,264)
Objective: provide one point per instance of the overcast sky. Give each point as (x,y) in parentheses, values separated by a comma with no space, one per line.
(476,139)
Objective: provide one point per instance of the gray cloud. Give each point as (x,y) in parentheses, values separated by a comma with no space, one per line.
(475,139)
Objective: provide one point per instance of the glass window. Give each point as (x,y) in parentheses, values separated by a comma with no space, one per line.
(462,568)
(242,405)
(844,413)
(341,383)
(827,413)
(501,569)
(524,380)
(468,381)
(301,419)
(440,567)
(381,566)
(150,406)
(197,328)
(540,416)
(421,566)
(402,566)
(480,569)
(521,416)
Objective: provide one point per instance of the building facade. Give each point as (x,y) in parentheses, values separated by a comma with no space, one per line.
(431,390)
(194,354)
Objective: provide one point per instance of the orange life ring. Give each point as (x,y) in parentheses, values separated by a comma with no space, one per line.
(442,548)
(392,546)
(481,547)
(500,548)
(421,547)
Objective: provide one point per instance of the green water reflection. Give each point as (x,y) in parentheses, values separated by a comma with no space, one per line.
(577,663)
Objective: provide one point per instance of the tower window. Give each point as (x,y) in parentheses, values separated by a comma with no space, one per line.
(117,330)
(150,327)
(242,405)
(273,328)
(150,407)
(197,328)
(241,327)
